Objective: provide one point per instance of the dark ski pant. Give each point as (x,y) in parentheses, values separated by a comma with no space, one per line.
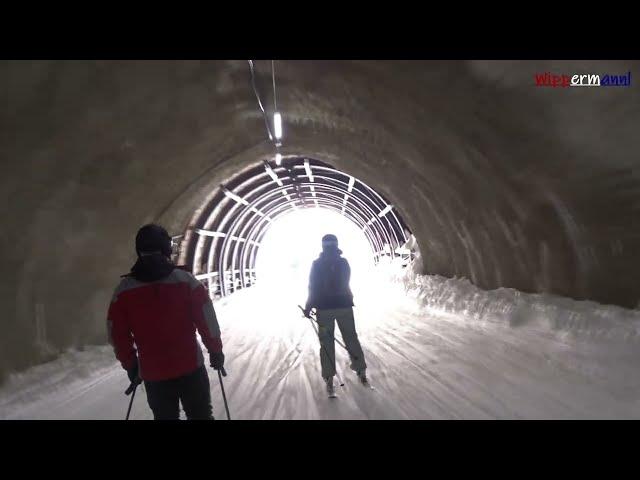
(326,331)
(192,390)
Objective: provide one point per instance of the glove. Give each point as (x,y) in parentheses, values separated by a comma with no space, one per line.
(132,373)
(307,312)
(217,360)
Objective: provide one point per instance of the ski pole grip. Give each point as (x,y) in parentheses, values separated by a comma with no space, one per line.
(131,388)
(223,371)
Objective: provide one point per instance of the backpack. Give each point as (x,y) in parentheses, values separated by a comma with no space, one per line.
(332,275)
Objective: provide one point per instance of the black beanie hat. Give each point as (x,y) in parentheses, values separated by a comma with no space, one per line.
(153,238)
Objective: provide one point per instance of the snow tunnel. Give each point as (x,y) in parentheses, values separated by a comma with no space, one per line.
(224,238)
(501,182)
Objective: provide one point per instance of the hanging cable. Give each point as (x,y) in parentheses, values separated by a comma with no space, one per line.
(273,77)
(255,90)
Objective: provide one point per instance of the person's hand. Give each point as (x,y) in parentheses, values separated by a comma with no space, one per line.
(307,312)
(217,360)
(132,373)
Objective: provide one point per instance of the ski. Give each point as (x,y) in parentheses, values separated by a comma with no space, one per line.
(366,384)
(331,391)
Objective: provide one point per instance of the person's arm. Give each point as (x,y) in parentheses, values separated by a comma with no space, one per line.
(121,338)
(311,299)
(206,322)
(347,277)
(347,273)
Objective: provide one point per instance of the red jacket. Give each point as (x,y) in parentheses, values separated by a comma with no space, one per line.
(157,321)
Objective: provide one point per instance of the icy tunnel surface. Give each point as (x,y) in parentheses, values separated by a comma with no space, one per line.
(436,349)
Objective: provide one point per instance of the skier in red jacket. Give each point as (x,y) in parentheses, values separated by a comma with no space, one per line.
(152,324)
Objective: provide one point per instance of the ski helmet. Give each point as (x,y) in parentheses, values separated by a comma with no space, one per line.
(153,238)
(329,241)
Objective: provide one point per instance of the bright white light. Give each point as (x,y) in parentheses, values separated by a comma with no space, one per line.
(352,182)
(386,210)
(256,211)
(307,169)
(209,233)
(294,241)
(235,197)
(272,174)
(277,125)
(278,159)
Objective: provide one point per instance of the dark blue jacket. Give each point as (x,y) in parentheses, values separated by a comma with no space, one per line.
(329,282)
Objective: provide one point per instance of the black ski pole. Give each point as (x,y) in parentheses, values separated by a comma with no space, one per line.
(131,391)
(327,354)
(223,373)
(335,339)
(322,346)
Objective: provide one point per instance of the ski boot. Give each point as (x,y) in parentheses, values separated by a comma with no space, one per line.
(362,376)
(331,391)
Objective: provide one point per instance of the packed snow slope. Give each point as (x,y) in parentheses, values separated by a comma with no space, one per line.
(436,349)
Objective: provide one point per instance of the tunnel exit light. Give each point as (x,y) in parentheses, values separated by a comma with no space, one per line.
(294,241)
(277,125)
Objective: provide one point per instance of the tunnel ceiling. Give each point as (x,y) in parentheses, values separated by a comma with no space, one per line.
(501,182)
(223,243)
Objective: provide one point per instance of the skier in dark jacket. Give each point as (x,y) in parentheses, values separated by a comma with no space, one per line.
(330,294)
(152,322)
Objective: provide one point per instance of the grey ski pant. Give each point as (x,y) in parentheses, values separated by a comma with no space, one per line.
(326,330)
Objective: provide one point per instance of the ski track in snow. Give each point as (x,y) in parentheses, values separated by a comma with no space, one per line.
(422,366)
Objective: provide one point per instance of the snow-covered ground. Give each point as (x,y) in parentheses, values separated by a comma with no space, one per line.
(436,348)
